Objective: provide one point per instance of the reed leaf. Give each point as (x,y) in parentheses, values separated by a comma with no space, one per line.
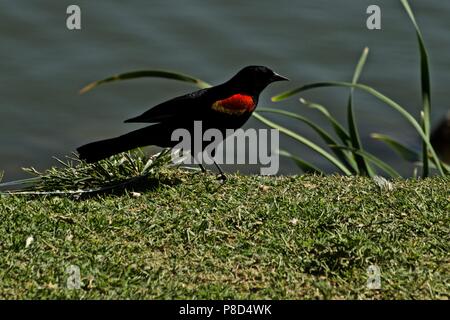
(305,166)
(389,102)
(145,74)
(363,165)
(338,128)
(306,142)
(403,151)
(425,83)
(376,161)
(321,132)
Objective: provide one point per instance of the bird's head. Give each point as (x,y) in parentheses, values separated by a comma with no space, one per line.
(256,78)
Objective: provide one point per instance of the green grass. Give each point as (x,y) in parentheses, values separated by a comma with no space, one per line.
(301,237)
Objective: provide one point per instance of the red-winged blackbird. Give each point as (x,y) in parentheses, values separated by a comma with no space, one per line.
(226,106)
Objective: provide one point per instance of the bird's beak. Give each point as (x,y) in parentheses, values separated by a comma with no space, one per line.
(278,77)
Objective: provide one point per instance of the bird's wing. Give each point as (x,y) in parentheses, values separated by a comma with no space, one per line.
(178,107)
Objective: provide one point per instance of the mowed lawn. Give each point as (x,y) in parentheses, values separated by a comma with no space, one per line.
(189,237)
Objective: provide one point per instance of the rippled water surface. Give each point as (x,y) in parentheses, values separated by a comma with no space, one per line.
(43,65)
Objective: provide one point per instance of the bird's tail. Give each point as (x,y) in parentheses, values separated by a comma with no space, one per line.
(98,150)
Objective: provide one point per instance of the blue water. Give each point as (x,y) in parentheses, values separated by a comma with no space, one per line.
(43,65)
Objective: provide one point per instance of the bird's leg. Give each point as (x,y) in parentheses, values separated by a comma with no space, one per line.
(202,167)
(222,176)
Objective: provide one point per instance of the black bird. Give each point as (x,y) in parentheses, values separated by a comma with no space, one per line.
(225,106)
(440,139)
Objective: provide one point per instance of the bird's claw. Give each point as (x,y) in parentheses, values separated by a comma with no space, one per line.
(222,178)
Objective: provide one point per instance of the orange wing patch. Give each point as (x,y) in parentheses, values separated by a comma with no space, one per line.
(235,105)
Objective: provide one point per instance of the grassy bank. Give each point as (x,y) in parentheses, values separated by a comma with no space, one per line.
(252,237)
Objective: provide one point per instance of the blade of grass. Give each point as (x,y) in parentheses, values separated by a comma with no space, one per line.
(144,74)
(403,151)
(305,166)
(389,102)
(425,83)
(20,183)
(322,133)
(304,141)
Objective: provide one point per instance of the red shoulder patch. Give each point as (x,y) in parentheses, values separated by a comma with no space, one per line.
(235,105)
